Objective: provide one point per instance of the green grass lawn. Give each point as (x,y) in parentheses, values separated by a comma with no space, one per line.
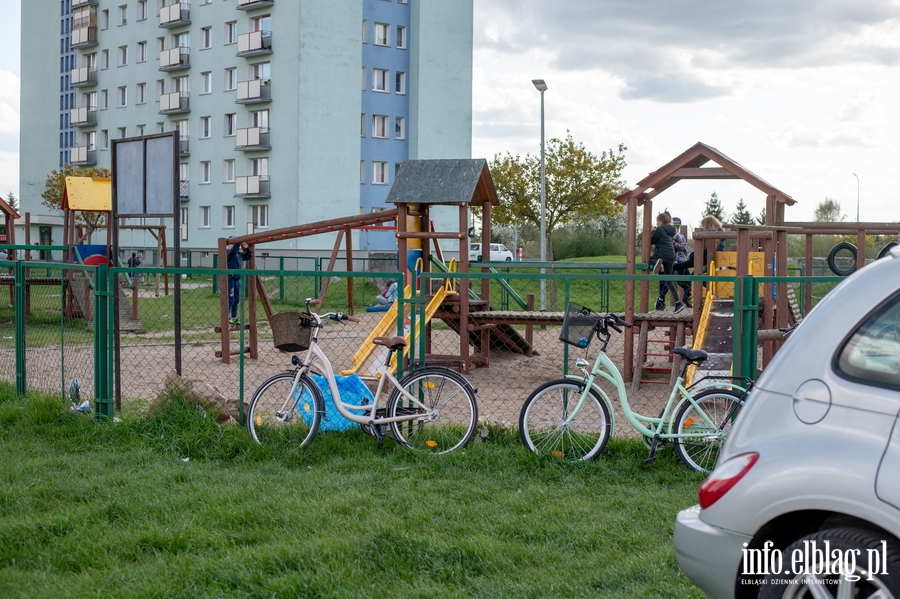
(178,506)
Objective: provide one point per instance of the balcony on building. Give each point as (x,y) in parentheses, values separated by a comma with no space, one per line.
(80,3)
(84,116)
(255,43)
(184,190)
(184,146)
(251,139)
(84,36)
(175,103)
(254,186)
(175,59)
(251,4)
(254,91)
(82,156)
(83,77)
(175,15)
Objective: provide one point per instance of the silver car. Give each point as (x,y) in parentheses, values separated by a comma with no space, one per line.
(805,499)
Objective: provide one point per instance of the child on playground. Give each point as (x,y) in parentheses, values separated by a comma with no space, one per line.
(663,258)
(708,223)
(238,253)
(388,296)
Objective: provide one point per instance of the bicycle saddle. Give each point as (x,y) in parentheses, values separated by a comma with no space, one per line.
(395,342)
(692,355)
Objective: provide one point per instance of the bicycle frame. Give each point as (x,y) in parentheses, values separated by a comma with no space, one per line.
(606,369)
(315,355)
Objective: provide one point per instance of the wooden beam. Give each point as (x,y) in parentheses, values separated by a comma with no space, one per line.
(704,173)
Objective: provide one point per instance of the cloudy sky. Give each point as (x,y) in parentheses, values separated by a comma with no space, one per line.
(802,93)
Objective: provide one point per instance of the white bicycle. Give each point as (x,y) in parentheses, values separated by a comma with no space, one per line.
(431,408)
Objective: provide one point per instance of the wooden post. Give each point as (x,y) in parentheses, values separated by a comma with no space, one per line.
(630,269)
(348,238)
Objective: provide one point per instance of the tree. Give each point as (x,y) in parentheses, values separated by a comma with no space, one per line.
(13,201)
(741,215)
(580,186)
(761,219)
(53,193)
(828,211)
(714,207)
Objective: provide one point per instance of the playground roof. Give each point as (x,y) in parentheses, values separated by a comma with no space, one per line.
(688,166)
(87,194)
(8,210)
(449,181)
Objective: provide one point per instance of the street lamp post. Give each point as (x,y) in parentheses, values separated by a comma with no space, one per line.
(857,196)
(541,86)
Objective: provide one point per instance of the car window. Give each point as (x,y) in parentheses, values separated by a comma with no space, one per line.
(474,246)
(872,353)
(494,247)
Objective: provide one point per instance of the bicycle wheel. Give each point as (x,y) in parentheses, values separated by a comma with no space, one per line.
(547,427)
(299,420)
(451,415)
(721,406)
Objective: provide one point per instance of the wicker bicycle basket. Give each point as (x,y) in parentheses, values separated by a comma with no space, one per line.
(289,332)
(578,323)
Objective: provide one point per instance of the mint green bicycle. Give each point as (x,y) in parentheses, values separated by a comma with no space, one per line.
(572,418)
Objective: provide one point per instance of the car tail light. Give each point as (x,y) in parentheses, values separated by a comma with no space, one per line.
(724,477)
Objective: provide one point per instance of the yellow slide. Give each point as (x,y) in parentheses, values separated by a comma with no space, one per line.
(369,356)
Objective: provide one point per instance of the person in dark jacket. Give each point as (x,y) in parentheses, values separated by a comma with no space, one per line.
(238,253)
(663,258)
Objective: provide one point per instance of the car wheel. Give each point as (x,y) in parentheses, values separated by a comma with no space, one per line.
(852,552)
(509,259)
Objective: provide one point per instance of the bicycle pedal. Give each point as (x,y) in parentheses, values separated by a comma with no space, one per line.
(650,460)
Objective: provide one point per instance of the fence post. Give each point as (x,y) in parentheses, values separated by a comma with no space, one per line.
(746,315)
(103,401)
(19,309)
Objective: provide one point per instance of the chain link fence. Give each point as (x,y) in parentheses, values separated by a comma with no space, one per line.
(511,336)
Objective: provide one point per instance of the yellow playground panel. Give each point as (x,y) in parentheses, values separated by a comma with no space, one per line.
(88,194)
(725,265)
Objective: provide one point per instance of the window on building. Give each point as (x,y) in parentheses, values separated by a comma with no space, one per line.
(104,19)
(228,217)
(160,46)
(204,172)
(160,127)
(141,130)
(365,32)
(141,95)
(399,128)
(90,140)
(120,133)
(380,80)
(400,83)
(379,173)
(362,125)
(259,118)
(230,79)
(259,216)
(142,10)
(263,23)
(231,34)
(90,60)
(182,128)
(184,173)
(230,125)
(206,83)
(181,84)
(184,224)
(362,172)
(123,15)
(364,86)
(382,34)
(160,88)
(103,101)
(379,125)
(401,37)
(259,167)
(206,38)
(204,217)
(142,51)
(228,171)
(122,56)
(182,40)
(205,127)
(104,59)
(261,71)
(121,97)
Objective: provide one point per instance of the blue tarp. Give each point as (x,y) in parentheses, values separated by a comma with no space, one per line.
(352,389)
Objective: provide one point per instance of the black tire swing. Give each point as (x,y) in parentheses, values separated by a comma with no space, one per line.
(846,245)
